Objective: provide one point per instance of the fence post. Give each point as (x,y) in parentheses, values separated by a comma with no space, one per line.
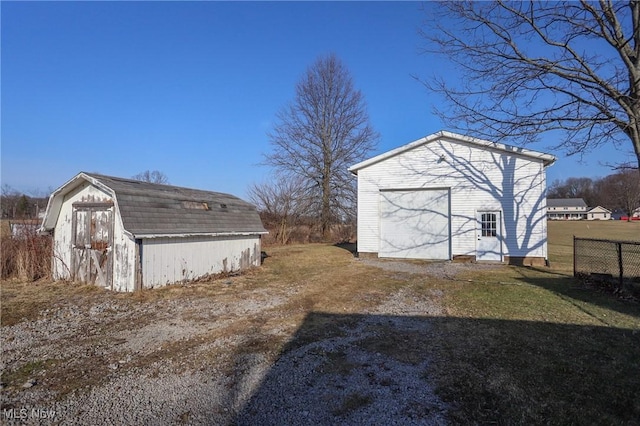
(574,255)
(620,265)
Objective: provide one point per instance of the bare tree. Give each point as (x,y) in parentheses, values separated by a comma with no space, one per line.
(322,132)
(154,176)
(572,68)
(281,202)
(9,201)
(573,187)
(622,191)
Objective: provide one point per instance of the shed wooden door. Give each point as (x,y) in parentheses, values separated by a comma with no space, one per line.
(92,255)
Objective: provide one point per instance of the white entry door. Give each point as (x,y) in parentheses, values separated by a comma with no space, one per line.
(489,244)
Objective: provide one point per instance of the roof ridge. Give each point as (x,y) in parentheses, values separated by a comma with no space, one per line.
(163,186)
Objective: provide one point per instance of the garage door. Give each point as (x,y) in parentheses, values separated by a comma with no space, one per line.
(414,224)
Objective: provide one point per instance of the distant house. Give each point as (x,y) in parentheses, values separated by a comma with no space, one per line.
(23,228)
(448,196)
(126,235)
(599,213)
(566,209)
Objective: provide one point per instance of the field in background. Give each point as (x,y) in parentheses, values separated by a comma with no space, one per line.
(561,233)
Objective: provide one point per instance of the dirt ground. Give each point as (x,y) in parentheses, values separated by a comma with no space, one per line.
(296,341)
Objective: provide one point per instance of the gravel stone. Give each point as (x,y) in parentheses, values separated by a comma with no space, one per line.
(119,347)
(439,269)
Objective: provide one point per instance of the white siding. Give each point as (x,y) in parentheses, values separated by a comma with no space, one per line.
(479,178)
(124,259)
(170,260)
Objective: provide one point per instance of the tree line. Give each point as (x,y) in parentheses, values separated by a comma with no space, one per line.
(17,205)
(619,191)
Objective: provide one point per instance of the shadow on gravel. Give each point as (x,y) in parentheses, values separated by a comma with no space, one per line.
(386,369)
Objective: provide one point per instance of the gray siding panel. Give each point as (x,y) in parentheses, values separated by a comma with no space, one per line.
(169,260)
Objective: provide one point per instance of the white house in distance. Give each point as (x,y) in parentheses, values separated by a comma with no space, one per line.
(566,209)
(125,235)
(599,213)
(448,196)
(574,209)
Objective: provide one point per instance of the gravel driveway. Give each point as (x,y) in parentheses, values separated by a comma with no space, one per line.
(203,360)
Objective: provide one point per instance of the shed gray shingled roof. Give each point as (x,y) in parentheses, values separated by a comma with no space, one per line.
(566,202)
(149,209)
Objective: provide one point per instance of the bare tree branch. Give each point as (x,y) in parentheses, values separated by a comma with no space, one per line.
(154,176)
(621,191)
(572,68)
(282,203)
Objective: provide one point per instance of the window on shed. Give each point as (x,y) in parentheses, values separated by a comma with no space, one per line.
(489,224)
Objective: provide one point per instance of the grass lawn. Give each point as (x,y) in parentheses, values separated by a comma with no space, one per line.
(533,346)
(561,233)
(511,345)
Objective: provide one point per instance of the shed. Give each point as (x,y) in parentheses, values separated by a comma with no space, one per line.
(447,196)
(599,213)
(125,234)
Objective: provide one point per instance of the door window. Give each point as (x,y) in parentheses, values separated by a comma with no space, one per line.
(489,224)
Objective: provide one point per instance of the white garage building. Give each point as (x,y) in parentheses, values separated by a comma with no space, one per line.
(448,196)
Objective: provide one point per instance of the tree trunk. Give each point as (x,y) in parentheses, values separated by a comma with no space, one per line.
(325,217)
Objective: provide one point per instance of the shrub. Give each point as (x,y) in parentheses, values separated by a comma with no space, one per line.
(26,257)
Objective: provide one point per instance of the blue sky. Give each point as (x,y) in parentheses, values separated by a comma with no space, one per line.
(191,88)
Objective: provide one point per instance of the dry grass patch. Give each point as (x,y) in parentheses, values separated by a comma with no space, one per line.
(325,278)
(30,370)
(23,301)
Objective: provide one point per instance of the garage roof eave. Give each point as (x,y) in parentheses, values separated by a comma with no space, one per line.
(547,159)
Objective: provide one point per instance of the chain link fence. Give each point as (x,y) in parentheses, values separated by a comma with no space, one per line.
(615,264)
